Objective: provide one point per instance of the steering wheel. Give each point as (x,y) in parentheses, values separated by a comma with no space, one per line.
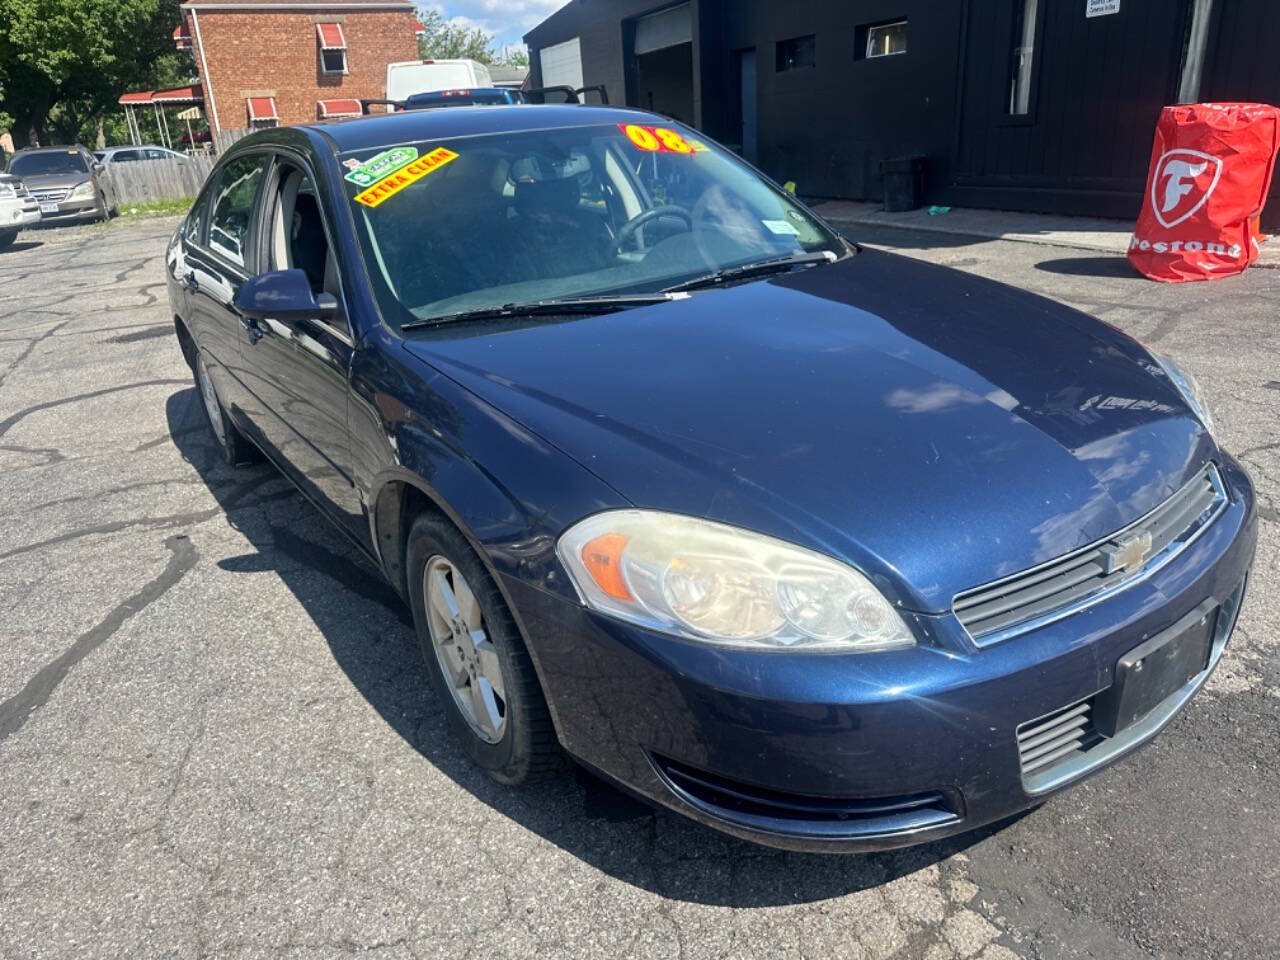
(628,229)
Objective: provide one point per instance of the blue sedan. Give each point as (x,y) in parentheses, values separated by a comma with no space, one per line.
(823,547)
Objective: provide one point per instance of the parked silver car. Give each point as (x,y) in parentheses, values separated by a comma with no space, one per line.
(18,208)
(66,181)
(146,151)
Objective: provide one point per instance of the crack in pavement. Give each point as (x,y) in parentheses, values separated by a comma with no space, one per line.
(15,711)
(9,421)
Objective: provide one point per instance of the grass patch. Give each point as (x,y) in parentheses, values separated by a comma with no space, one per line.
(157,208)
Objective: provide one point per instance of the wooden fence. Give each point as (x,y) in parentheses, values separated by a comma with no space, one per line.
(225,138)
(144,181)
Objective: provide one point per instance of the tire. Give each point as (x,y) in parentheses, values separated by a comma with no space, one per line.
(515,742)
(236,450)
(7,237)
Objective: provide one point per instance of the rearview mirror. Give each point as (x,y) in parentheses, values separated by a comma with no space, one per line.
(283,294)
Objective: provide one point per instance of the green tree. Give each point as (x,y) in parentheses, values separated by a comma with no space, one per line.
(71,59)
(442,40)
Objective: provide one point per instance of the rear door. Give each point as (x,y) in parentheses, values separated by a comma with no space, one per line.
(296,369)
(216,266)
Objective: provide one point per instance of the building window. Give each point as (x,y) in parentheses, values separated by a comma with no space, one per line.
(886,39)
(333,47)
(262,113)
(1026,13)
(797,53)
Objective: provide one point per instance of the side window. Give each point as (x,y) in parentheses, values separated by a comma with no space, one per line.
(158,154)
(296,236)
(120,156)
(196,218)
(233,205)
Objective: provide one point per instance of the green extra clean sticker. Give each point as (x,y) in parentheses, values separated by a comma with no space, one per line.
(383,165)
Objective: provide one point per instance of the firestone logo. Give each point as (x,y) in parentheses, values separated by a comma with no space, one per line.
(1184,182)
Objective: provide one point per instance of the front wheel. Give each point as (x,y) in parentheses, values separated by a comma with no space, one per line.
(476,660)
(7,237)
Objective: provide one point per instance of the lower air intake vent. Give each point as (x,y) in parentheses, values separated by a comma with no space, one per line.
(1055,738)
(763,809)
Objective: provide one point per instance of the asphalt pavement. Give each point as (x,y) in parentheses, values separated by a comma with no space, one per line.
(216,737)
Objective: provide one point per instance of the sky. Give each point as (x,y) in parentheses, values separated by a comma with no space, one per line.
(507,20)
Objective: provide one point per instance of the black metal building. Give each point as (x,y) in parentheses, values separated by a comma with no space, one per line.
(1041,105)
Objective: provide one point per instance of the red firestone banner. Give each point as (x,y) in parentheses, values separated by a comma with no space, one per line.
(1211,168)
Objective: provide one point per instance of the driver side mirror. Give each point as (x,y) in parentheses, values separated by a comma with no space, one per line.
(283,294)
(98,166)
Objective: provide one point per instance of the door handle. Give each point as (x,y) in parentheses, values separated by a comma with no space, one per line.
(251,327)
(190,282)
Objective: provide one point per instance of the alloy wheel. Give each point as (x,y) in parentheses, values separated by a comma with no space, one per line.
(466,655)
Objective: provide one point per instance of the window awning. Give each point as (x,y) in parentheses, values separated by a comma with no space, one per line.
(193,94)
(262,108)
(177,95)
(333,109)
(330,36)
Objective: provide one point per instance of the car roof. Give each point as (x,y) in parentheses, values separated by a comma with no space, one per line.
(63,148)
(411,125)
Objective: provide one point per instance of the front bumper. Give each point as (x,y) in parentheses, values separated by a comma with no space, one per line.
(86,209)
(860,752)
(19,214)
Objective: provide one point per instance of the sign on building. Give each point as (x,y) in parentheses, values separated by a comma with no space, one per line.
(1101,8)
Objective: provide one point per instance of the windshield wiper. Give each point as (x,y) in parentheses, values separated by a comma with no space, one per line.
(545,308)
(761,268)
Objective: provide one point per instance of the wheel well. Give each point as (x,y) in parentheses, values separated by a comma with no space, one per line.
(398,505)
(186,342)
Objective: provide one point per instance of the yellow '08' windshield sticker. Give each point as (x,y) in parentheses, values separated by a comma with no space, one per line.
(390,186)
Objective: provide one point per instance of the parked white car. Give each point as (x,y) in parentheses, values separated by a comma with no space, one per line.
(429,76)
(18,209)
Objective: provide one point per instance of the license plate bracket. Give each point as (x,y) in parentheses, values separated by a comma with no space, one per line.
(1155,669)
(48,208)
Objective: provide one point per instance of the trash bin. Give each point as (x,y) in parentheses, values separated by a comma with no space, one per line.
(903,180)
(1210,172)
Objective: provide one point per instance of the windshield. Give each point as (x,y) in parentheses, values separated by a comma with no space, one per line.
(473,223)
(40,164)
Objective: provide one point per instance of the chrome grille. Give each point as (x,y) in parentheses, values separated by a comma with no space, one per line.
(1034,597)
(51,196)
(1045,742)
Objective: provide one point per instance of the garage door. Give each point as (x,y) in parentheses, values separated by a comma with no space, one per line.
(562,64)
(670,28)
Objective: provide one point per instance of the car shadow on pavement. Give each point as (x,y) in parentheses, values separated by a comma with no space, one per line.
(19,245)
(1114,267)
(369,632)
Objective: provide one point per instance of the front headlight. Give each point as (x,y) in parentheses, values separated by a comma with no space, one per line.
(81,191)
(718,584)
(1188,386)
(7,190)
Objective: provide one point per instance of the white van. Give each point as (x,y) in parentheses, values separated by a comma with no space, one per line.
(429,76)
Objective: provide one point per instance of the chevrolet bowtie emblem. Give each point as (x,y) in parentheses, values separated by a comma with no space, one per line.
(1127,553)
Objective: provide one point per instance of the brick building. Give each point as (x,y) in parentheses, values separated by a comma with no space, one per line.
(293,61)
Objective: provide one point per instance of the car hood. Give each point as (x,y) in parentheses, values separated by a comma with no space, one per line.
(935,429)
(52,180)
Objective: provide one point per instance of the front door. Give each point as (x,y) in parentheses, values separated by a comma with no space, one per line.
(297,369)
